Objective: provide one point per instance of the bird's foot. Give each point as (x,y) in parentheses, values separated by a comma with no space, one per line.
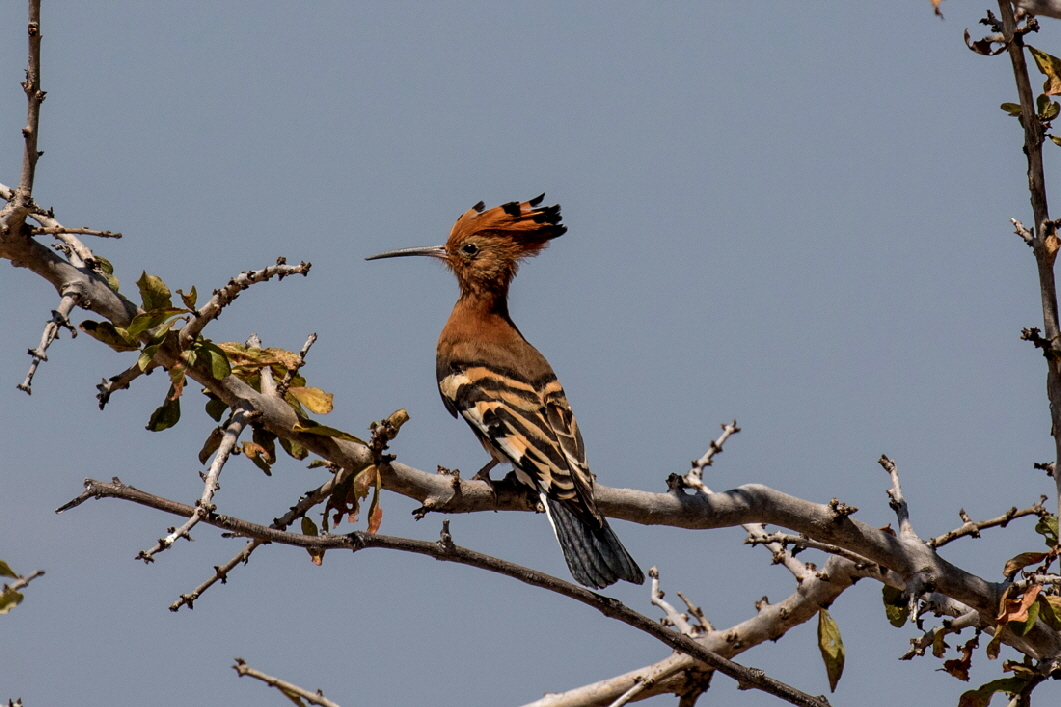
(484,475)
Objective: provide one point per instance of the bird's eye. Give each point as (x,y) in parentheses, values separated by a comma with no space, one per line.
(469,249)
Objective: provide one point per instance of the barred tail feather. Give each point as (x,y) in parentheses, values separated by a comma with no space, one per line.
(595,556)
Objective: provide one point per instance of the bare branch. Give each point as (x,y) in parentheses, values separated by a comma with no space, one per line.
(1021,231)
(308,501)
(897,502)
(121,381)
(57,230)
(801,542)
(969,528)
(204,506)
(224,296)
(1044,240)
(60,318)
(672,617)
(694,477)
(446,551)
(34,98)
(22,581)
(289,689)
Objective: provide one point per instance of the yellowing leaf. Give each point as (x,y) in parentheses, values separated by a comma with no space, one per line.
(9,599)
(211,445)
(314,399)
(1050,67)
(189,299)
(6,571)
(313,428)
(896,606)
(1016,564)
(117,339)
(981,697)
(1016,610)
(832,648)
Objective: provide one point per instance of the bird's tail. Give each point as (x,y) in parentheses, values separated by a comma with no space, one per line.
(595,556)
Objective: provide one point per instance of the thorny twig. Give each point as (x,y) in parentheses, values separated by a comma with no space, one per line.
(308,501)
(57,230)
(289,689)
(204,505)
(694,477)
(970,528)
(225,295)
(60,319)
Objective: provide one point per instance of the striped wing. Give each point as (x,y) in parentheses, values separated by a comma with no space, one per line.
(527,423)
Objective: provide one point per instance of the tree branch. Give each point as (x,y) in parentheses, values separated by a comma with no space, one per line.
(289,689)
(446,551)
(60,318)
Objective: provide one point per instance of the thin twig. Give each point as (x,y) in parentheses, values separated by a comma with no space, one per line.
(22,581)
(60,319)
(970,528)
(308,501)
(694,478)
(121,381)
(672,617)
(204,505)
(289,689)
(449,552)
(1045,250)
(225,295)
(285,383)
(801,542)
(57,230)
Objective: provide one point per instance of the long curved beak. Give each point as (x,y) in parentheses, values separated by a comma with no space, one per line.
(434,251)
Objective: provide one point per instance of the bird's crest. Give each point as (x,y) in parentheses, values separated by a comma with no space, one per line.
(526,225)
(485,245)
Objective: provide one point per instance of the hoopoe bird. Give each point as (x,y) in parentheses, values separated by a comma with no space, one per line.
(507,392)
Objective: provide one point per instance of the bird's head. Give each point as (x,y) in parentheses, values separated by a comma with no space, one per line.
(485,245)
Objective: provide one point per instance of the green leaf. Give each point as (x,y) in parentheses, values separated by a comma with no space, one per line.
(293,448)
(107,271)
(981,697)
(9,599)
(1050,610)
(153,292)
(149,320)
(6,571)
(1047,527)
(110,335)
(189,299)
(310,427)
(1050,67)
(314,399)
(310,528)
(832,648)
(166,416)
(316,464)
(219,366)
(1011,108)
(215,408)
(1047,109)
(211,444)
(895,606)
